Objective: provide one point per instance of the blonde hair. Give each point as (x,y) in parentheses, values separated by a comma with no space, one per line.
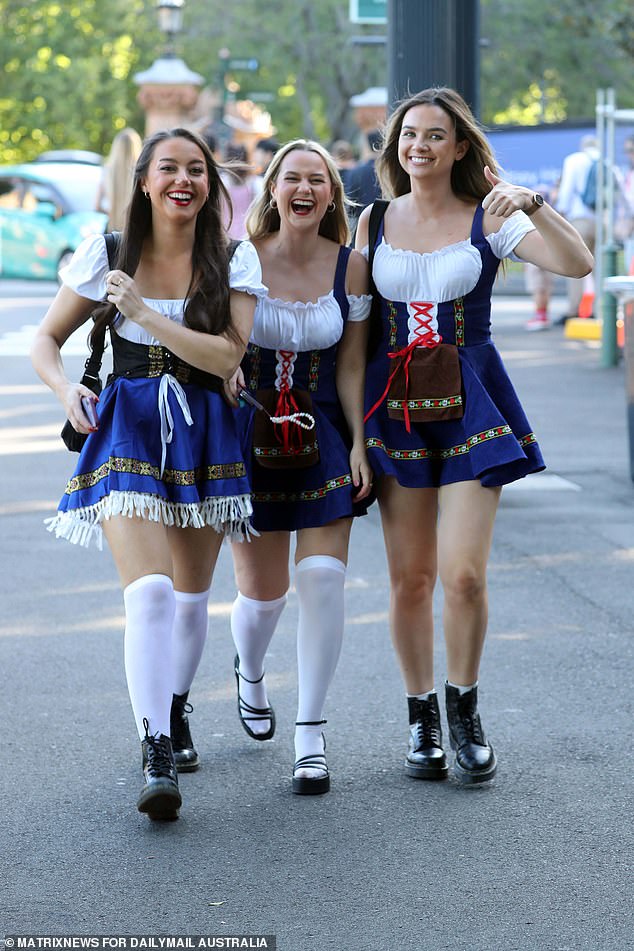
(263,219)
(119,175)
(467,175)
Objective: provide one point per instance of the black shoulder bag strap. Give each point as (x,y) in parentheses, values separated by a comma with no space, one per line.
(376,217)
(93,363)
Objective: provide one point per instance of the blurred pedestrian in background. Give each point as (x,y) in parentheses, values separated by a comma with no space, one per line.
(161,474)
(263,154)
(240,182)
(624,228)
(444,426)
(115,188)
(363,185)
(307,350)
(539,281)
(575,172)
(343,157)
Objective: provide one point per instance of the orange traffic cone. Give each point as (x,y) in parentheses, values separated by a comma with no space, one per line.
(586,304)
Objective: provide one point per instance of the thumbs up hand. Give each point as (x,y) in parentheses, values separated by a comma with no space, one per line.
(504,199)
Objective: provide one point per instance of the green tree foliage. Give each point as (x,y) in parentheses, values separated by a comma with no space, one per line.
(67,66)
(65,73)
(306,58)
(542,62)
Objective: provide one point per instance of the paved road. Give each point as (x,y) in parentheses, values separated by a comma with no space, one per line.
(539,861)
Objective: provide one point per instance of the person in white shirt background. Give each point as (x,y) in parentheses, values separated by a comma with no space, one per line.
(570,204)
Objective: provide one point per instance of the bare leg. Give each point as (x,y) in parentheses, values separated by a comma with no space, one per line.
(409,528)
(465,533)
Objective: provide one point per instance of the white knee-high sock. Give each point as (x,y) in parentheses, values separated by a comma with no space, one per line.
(253,624)
(149,611)
(319,581)
(189,635)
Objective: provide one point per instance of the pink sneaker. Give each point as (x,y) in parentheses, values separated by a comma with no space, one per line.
(538,322)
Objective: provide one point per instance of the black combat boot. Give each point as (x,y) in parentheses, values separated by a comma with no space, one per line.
(425,758)
(160,797)
(185,756)
(475,759)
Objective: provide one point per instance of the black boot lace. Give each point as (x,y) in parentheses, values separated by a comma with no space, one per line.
(427,725)
(159,755)
(469,728)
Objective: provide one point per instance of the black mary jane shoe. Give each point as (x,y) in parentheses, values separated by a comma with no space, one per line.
(246,712)
(425,757)
(185,756)
(306,785)
(475,757)
(160,798)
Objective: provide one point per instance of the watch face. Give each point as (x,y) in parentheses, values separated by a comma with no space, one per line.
(538,200)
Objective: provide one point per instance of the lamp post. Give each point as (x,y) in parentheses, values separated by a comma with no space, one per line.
(170,17)
(168,89)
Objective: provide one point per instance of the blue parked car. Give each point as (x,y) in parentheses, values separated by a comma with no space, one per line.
(46,210)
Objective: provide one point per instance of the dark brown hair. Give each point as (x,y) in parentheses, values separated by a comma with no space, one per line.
(467,175)
(207,303)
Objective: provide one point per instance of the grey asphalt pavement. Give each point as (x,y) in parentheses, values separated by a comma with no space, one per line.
(540,860)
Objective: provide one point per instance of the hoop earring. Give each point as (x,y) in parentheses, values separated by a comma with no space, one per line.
(147,194)
(273,204)
(331,206)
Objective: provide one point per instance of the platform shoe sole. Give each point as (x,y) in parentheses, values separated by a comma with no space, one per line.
(430,773)
(160,802)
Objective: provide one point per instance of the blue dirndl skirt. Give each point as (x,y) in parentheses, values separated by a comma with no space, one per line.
(163,451)
(292,499)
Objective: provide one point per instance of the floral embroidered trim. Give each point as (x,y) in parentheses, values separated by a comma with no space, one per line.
(309,495)
(313,371)
(278,451)
(391,316)
(426,403)
(458,314)
(254,375)
(408,455)
(231,470)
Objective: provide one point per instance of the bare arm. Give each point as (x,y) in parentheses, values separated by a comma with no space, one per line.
(361,237)
(350,377)
(65,315)
(219,354)
(555,245)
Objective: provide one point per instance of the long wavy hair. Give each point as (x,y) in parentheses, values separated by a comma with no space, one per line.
(207,299)
(467,175)
(263,218)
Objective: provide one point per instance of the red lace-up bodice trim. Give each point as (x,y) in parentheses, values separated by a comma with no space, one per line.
(424,336)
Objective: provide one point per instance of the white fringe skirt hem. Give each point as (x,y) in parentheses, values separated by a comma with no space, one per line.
(228,515)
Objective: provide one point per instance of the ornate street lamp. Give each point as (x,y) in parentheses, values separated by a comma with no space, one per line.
(168,89)
(170,17)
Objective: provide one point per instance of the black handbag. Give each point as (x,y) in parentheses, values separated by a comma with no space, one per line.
(73,440)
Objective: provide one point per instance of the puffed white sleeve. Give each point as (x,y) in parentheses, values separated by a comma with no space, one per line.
(245,273)
(504,241)
(359,306)
(86,272)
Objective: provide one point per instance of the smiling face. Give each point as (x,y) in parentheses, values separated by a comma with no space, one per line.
(427,143)
(303,189)
(177,180)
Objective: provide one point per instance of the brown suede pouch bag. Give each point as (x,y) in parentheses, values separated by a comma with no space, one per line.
(432,389)
(284,445)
